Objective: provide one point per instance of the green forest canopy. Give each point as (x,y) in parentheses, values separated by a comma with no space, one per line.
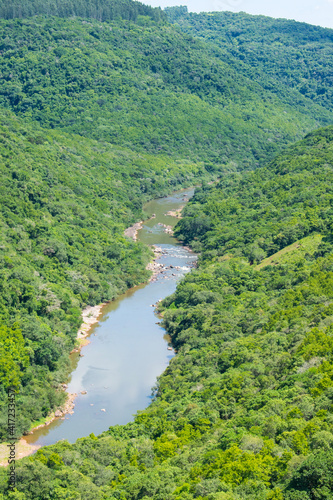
(105,110)
(150,88)
(244,409)
(65,202)
(284,56)
(102,10)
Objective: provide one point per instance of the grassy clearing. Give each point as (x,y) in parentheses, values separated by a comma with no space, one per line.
(294,252)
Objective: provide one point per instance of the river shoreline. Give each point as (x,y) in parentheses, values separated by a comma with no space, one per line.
(91,316)
(132,231)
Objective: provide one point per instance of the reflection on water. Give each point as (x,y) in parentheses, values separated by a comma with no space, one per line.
(127,349)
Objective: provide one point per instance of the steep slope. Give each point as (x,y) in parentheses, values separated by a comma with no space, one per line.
(259,213)
(244,410)
(65,202)
(289,58)
(150,88)
(112,108)
(153,109)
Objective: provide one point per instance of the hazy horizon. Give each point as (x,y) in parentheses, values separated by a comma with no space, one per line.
(318,12)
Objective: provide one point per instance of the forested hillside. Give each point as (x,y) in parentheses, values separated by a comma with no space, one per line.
(104,105)
(256,214)
(65,202)
(244,409)
(110,114)
(102,10)
(149,87)
(286,57)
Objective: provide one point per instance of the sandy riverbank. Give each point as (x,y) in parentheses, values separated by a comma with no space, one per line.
(176,213)
(132,232)
(90,316)
(22,449)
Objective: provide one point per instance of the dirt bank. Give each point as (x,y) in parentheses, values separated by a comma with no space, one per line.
(132,232)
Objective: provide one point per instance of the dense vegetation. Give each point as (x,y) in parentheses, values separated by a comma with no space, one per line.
(65,202)
(284,56)
(102,10)
(103,107)
(148,87)
(244,409)
(259,213)
(132,84)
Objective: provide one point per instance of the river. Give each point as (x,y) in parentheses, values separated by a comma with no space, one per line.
(128,349)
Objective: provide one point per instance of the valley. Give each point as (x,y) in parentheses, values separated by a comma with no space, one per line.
(211,381)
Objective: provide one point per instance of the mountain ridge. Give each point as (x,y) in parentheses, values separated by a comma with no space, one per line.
(98,116)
